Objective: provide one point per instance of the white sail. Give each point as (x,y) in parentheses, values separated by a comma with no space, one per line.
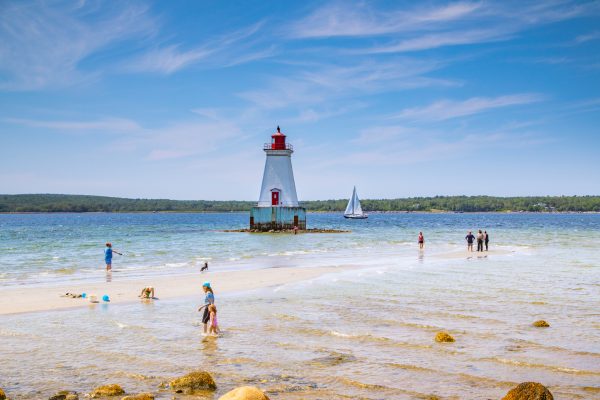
(353,209)
(350,206)
(357,208)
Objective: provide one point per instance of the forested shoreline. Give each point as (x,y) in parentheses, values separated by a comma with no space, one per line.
(22,203)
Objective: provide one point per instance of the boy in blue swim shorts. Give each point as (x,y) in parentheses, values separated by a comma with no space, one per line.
(108,253)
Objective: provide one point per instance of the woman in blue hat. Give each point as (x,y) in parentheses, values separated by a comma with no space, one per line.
(209,299)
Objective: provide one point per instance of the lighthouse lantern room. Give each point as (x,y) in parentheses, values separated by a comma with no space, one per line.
(277,207)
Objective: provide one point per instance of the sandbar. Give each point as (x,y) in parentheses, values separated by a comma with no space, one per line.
(47,298)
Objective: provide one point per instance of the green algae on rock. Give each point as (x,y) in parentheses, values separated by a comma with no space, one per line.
(444,337)
(541,324)
(245,393)
(529,391)
(193,382)
(107,391)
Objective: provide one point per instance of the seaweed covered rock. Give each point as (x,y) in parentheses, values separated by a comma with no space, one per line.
(193,382)
(140,396)
(444,337)
(65,395)
(245,393)
(541,324)
(107,391)
(529,391)
(2,394)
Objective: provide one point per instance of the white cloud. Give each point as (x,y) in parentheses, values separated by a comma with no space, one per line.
(106,125)
(378,134)
(44,44)
(432,41)
(340,19)
(447,109)
(322,83)
(167,60)
(227,50)
(428,27)
(595,35)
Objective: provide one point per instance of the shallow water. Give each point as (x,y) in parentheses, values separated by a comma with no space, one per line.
(361,333)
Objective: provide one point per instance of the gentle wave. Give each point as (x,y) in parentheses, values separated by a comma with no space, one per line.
(554,368)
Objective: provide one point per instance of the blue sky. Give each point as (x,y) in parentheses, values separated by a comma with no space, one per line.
(175,99)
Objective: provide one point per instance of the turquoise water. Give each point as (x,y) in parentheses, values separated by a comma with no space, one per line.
(44,247)
(361,333)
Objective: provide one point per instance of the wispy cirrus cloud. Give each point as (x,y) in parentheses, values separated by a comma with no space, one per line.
(177,139)
(435,40)
(429,26)
(326,82)
(167,60)
(448,109)
(337,19)
(106,125)
(43,44)
(233,48)
(595,35)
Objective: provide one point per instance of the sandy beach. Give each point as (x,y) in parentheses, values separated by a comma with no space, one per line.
(32,299)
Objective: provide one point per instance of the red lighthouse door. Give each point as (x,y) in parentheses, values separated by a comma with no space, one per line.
(274,198)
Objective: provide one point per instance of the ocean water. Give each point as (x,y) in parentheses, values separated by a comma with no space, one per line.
(365,332)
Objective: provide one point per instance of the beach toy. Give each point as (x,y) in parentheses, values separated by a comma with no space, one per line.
(83,295)
(93,298)
(105,298)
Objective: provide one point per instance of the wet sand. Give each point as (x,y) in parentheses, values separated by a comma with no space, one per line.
(48,298)
(453,255)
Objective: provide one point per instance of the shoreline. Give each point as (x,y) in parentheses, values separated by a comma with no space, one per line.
(46,297)
(308,212)
(19,300)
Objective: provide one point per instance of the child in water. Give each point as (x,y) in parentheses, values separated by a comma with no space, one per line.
(147,293)
(213,324)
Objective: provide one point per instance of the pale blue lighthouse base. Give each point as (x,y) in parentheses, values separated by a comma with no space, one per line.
(277,218)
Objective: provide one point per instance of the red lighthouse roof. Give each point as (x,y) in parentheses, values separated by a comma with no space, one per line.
(278,142)
(278,133)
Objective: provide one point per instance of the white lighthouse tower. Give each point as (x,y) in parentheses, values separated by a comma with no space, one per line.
(277,207)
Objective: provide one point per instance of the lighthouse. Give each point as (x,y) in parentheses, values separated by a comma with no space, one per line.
(277,207)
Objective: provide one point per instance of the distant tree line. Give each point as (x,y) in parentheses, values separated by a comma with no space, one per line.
(82,203)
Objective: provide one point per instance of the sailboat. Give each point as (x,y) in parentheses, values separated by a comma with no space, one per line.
(353,209)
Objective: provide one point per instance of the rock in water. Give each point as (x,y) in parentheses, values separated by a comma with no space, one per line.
(65,395)
(245,393)
(443,337)
(541,324)
(107,391)
(192,382)
(529,391)
(141,396)
(2,394)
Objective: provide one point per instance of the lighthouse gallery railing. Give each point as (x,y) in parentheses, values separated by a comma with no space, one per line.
(273,146)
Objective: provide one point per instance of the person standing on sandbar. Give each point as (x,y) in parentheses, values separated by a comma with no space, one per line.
(209,299)
(486,239)
(469,238)
(480,241)
(108,253)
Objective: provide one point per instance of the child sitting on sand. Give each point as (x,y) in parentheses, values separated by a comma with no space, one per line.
(147,293)
(213,324)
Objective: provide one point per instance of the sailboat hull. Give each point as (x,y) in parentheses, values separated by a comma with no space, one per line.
(363,216)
